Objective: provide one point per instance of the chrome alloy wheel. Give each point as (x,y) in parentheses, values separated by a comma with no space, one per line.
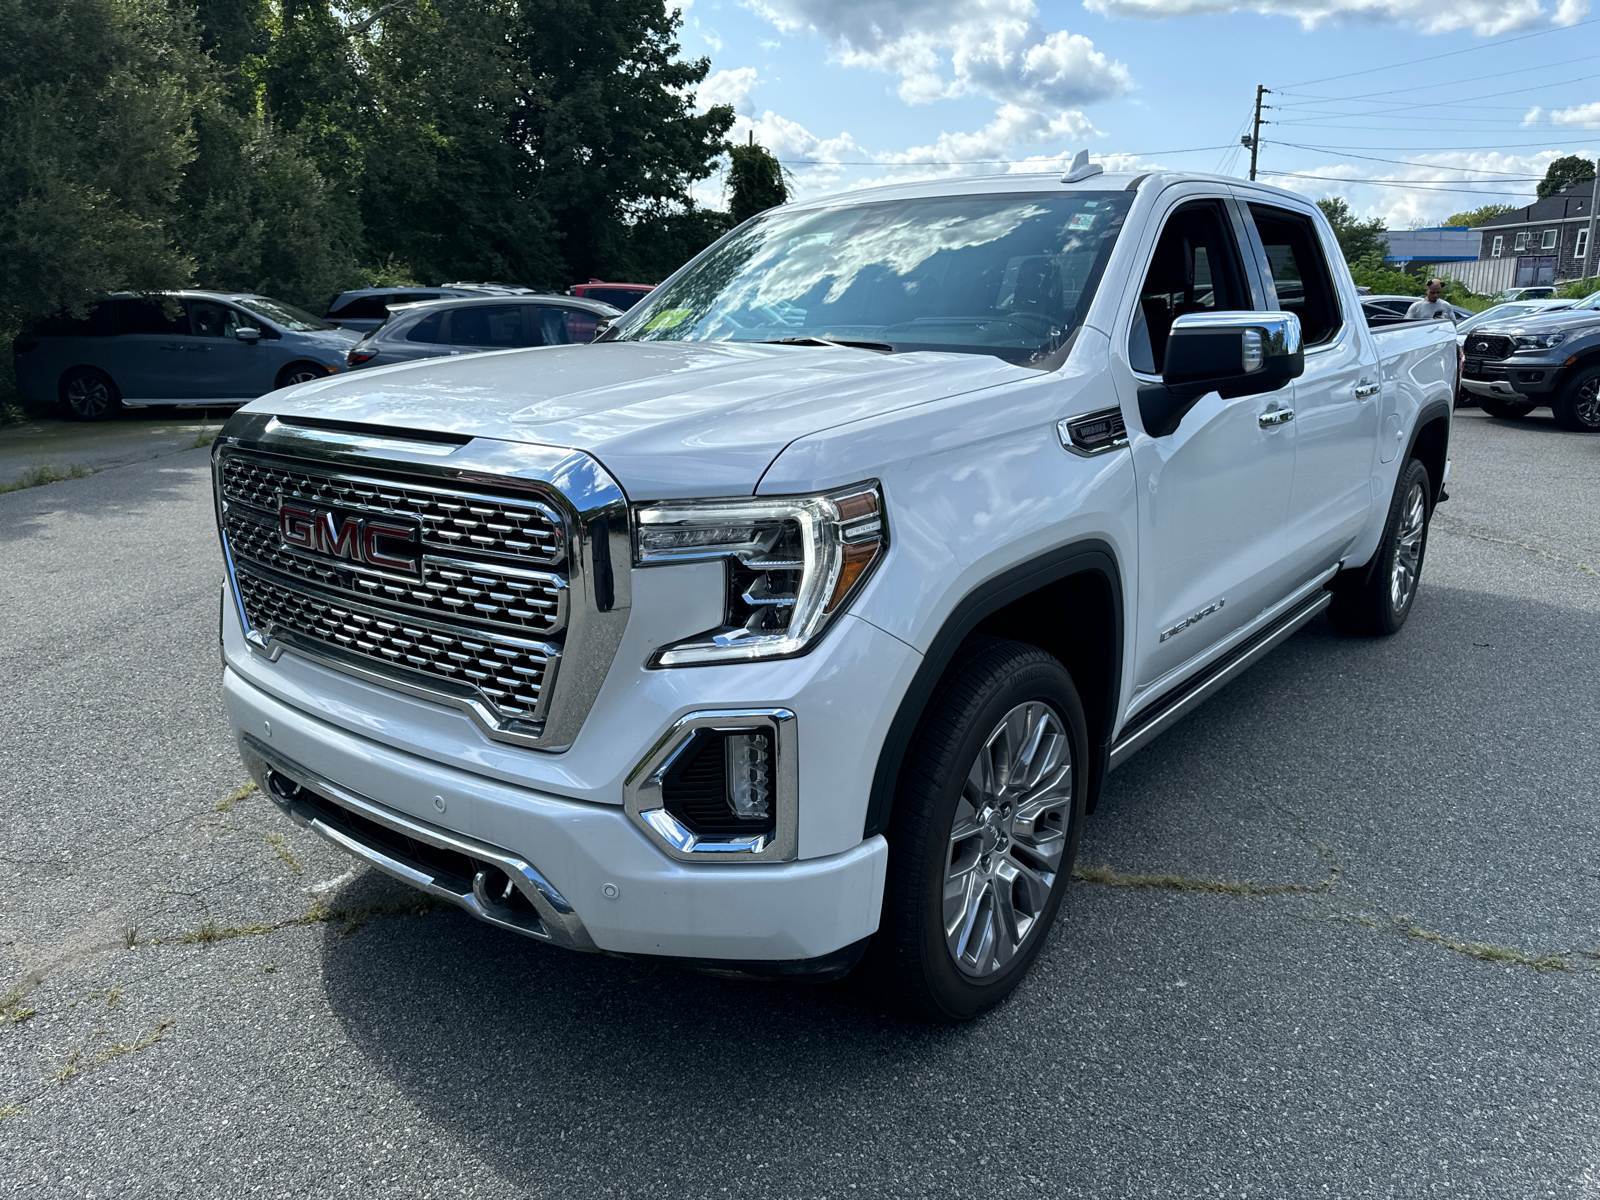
(1408,549)
(1007,840)
(89,396)
(302,375)
(1587,409)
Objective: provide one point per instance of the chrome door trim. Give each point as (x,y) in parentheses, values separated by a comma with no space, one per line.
(1222,672)
(1274,417)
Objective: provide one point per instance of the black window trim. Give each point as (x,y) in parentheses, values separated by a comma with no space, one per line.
(1337,338)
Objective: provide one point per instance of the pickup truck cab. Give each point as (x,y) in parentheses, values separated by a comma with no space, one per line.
(803,615)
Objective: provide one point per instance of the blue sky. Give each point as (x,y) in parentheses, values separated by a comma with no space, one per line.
(923,88)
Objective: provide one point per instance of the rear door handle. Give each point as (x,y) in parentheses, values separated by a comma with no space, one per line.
(1365,390)
(1275,416)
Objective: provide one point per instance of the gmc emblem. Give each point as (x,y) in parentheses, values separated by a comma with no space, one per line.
(383,542)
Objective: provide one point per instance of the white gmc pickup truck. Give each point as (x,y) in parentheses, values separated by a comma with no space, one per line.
(802,616)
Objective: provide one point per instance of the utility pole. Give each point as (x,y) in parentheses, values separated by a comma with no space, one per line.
(1254,140)
(1588,242)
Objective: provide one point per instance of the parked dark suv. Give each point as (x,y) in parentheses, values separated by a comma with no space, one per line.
(364,309)
(465,326)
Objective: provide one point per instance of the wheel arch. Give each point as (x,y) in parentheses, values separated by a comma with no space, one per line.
(1430,443)
(288,368)
(68,372)
(1046,602)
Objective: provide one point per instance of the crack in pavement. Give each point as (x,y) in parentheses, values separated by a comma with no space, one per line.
(1449,526)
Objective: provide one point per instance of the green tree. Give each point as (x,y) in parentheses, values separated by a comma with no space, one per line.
(1571,169)
(1357,239)
(1477,216)
(755,182)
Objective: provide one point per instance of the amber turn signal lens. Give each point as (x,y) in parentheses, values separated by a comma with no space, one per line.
(856,560)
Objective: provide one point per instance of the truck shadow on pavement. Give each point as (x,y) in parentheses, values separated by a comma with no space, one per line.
(567,1071)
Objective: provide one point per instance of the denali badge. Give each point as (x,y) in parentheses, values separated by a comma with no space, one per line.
(382,543)
(1188,621)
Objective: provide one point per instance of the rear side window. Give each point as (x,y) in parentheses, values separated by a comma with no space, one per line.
(1195,268)
(427,329)
(490,325)
(1299,271)
(98,322)
(163,317)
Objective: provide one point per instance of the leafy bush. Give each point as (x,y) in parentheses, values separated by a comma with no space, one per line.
(1580,289)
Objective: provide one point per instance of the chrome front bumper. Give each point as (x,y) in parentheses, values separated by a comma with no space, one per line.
(1496,388)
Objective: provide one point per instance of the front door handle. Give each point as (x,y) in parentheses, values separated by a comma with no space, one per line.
(1275,416)
(1365,390)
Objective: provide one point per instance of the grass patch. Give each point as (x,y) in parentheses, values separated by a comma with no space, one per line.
(204,438)
(353,916)
(1490,952)
(72,1066)
(118,1049)
(1108,877)
(112,996)
(12,1010)
(9,1111)
(42,473)
(227,802)
(275,840)
(130,937)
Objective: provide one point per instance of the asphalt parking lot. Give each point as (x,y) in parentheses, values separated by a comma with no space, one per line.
(1339,933)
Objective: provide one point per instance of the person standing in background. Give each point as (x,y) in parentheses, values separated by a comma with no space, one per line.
(1431,307)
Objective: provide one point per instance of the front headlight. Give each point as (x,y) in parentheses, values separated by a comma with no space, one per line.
(792,565)
(1537,341)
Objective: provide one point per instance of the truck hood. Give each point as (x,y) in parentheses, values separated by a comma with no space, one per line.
(1545,322)
(667,419)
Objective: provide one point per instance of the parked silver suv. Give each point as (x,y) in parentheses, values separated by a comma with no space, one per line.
(195,349)
(467,326)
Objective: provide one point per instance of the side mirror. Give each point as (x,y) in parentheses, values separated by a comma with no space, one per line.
(248,335)
(1230,353)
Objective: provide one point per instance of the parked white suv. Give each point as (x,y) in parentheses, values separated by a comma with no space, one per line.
(804,614)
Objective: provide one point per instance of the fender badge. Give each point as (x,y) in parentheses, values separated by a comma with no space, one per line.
(1190,620)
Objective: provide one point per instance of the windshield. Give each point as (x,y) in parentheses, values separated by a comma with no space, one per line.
(1591,302)
(285,315)
(1009,275)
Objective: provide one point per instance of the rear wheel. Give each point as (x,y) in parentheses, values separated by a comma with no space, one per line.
(1578,406)
(90,395)
(1376,600)
(300,372)
(986,824)
(1506,410)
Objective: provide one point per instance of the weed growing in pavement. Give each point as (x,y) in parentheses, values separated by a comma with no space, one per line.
(9,1111)
(232,798)
(270,969)
(204,438)
(1489,952)
(76,1064)
(275,840)
(110,995)
(42,473)
(353,916)
(130,937)
(12,1010)
(72,1066)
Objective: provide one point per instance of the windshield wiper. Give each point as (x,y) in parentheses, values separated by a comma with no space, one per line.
(884,347)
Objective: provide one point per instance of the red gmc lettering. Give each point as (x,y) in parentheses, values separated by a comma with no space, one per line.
(297,526)
(341,539)
(372,548)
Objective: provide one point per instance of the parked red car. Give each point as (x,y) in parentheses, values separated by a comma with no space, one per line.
(618,295)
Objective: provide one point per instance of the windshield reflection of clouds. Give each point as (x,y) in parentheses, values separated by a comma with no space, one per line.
(980,273)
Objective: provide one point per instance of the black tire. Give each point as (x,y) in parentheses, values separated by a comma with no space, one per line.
(1506,410)
(90,395)
(1578,406)
(300,372)
(1021,862)
(1375,600)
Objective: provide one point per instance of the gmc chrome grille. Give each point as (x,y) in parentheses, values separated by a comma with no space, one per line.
(453,521)
(509,675)
(527,602)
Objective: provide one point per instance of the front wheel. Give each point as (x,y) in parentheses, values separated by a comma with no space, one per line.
(986,824)
(300,372)
(1578,406)
(1506,410)
(1375,600)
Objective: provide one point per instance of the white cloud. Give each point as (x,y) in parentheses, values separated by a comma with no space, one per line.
(941,49)
(1532,115)
(727,87)
(1483,17)
(1586,116)
(1427,202)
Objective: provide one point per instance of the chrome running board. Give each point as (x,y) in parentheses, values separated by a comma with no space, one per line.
(1188,696)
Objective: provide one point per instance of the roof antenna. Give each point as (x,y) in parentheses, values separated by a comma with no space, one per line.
(1081,168)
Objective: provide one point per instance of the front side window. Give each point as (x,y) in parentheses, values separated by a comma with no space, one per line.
(1549,242)
(1195,268)
(1498,243)
(564,326)
(1299,271)
(285,316)
(207,318)
(152,315)
(1009,275)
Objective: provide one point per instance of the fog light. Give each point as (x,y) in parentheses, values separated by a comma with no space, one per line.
(749,776)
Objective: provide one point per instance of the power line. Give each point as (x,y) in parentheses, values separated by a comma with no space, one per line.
(1424,86)
(1447,54)
(1518,176)
(1441,149)
(1419,187)
(1537,87)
